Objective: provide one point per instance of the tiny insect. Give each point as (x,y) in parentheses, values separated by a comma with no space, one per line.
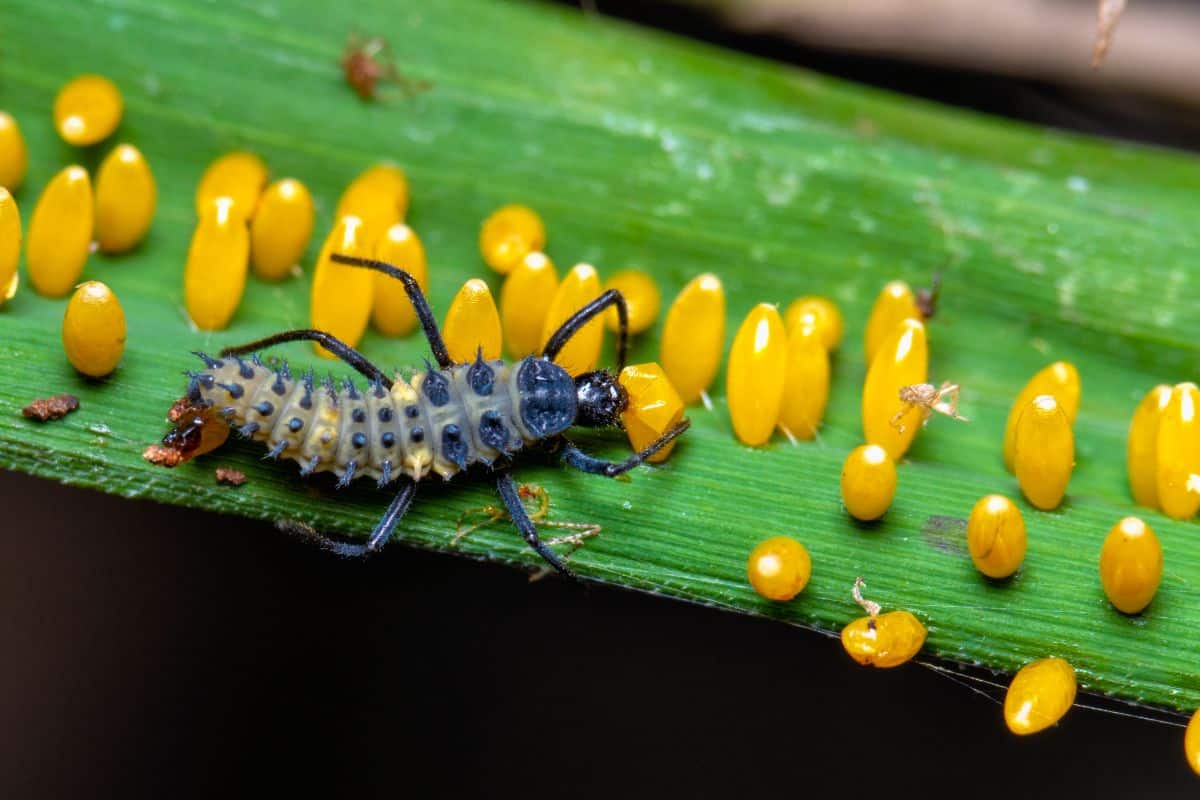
(927,298)
(442,420)
(928,398)
(368,61)
(538,499)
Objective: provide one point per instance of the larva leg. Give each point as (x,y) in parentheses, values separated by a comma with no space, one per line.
(583,316)
(327,340)
(415,296)
(377,539)
(520,517)
(611,469)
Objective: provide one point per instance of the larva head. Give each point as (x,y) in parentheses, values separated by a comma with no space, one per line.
(600,400)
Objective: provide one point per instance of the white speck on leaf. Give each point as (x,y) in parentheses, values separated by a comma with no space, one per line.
(778,188)
(1066,286)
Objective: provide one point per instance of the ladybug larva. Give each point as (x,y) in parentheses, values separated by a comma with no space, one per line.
(440,420)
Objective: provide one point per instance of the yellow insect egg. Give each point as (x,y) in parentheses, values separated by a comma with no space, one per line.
(642,300)
(996,536)
(10,245)
(1060,379)
(868,482)
(239,176)
(1142,448)
(1045,452)
(87,110)
(59,236)
(579,287)
(342,295)
(379,197)
(902,360)
(126,196)
(654,407)
(824,314)
(392,312)
(806,386)
(693,336)
(1179,453)
(215,274)
(508,235)
(779,568)
(884,641)
(895,304)
(1039,695)
(1191,743)
(472,323)
(14,158)
(282,226)
(755,377)
(93,330)
(1131,565)
(523,304)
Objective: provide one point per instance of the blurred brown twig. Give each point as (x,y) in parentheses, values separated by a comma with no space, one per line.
(1046,39)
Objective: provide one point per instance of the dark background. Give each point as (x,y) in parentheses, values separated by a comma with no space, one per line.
(146,649)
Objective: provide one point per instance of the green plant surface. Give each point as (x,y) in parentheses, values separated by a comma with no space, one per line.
(641,149)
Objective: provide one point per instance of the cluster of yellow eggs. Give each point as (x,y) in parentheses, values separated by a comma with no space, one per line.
(72,217)
(777,376)
(1038,447)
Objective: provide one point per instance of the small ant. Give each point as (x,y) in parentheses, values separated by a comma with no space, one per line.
(929,399)
(368,61)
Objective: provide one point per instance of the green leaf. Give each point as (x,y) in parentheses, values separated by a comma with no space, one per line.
(643,149)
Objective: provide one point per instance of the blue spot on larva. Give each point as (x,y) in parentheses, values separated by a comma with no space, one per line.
(492,430)
(388,439)
(306,401)
(359,415)
(359,440)
(295,424)
(412,412)
(480,376)
(209,361)
(235,389)
(417,435)
(454,449)
(265,408)
(437,388)
(385,414)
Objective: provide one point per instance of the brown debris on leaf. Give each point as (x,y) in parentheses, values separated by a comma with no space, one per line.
(162,456)
(1108,14)
(44,409)
(366,62)
(181,407)
(227,476)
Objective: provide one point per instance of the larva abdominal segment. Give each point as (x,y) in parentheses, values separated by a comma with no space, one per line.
(438,420)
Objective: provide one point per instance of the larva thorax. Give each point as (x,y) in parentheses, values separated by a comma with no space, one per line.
(436,420)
